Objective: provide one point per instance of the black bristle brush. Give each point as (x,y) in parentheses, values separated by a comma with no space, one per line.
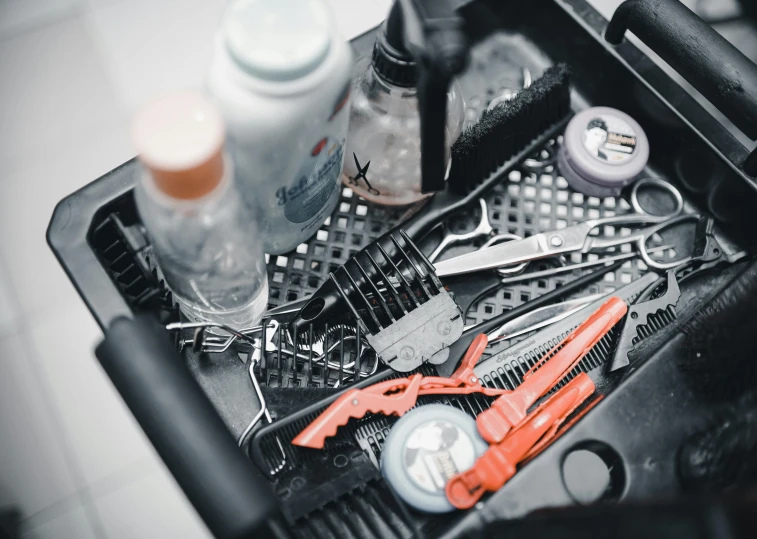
(504,136)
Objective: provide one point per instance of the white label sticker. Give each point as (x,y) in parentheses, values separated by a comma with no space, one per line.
(435,452)
(609,139)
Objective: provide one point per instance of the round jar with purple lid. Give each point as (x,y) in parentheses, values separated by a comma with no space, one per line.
(603,150)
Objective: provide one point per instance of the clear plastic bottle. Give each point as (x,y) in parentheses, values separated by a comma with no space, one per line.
(204,238)
(383,153)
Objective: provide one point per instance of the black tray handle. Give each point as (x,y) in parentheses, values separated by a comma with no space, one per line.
(223,485)
(697,52)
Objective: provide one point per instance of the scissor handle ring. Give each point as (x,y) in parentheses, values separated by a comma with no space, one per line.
(648,260)
(658,183)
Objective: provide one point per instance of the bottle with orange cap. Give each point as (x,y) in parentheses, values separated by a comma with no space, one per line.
(204,238)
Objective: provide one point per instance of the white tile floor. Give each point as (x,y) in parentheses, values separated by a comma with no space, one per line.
(72,72)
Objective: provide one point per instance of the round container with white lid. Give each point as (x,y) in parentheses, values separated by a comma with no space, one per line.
(425,449)
(603,151)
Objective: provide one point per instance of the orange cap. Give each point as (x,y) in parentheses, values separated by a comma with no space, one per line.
(179,138)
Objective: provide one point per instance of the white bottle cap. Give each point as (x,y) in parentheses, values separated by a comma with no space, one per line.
(278,40)
(424,449)
(179,137)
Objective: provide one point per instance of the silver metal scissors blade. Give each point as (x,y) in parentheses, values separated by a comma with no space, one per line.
(514,252)
(542,317)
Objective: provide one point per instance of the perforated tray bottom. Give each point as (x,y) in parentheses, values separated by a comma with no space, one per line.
(531,201)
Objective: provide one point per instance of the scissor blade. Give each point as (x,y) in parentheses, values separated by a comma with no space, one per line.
(504,254)
(542,317)
(544,245)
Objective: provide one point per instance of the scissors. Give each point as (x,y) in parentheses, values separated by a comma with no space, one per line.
(484,228)
(577,238)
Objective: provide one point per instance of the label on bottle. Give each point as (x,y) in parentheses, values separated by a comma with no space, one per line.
(315,182)
(609,139)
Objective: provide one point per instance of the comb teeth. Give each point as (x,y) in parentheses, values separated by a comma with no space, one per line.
(655,322)
(370,293)
(509,375)
(369,511)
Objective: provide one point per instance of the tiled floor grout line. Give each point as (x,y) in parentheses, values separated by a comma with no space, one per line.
(28,28)
(114,481)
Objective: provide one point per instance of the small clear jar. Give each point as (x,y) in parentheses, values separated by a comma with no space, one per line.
(383,152)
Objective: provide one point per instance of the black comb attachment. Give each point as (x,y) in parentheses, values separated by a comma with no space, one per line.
(506,129)
(391,292)
(377,286)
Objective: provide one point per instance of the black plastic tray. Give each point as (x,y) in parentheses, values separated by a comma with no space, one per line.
(97,237)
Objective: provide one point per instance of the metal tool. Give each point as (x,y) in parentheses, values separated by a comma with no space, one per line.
(263,412)
(500,238)
(276,346)
(648,316)
(542,317)
(575,238)
(710,251)
(214,343)
(645,317)
(484,228)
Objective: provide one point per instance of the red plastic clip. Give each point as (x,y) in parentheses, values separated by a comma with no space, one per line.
(497,465)
(509,410)
(395,397)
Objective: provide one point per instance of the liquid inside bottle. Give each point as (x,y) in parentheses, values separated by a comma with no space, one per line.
(383,153)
